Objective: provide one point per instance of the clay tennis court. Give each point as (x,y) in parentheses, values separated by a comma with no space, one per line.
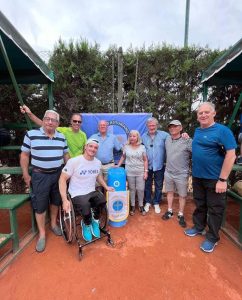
(152,259)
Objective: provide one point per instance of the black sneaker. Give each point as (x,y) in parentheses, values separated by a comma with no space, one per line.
(132,210)
(142,210)
(167,215)
(181,221)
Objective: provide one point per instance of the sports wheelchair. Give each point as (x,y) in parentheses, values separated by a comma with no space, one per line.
(71,228)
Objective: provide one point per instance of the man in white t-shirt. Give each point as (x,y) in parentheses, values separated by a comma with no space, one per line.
(83,171)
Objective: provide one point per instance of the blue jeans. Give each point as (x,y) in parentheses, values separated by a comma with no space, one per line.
(158,180)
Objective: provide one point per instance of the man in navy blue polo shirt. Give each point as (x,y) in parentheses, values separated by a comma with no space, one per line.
(213,156)
(47,149)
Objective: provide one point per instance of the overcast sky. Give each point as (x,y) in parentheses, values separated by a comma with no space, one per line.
(213,23)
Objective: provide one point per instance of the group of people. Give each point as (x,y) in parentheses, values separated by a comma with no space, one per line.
(154,157)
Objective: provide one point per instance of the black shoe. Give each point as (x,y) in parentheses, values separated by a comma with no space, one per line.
(167,215)
(182,221)
(142,210)
(132,210)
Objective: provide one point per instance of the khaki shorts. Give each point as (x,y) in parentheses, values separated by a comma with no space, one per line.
(178,184)
(104,172)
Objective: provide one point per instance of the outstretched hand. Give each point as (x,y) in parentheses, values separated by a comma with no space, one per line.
(110,189)
(185,135)
(24,109)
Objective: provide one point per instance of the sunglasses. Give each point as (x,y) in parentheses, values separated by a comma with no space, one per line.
(77,121)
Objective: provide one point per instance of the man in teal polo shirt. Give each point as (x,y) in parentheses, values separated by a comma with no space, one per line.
(76,138)
(213,156)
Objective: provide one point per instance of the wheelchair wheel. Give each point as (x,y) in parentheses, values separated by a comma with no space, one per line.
(103,217)
(68,224)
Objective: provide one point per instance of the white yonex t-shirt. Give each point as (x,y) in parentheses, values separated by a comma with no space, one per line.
(83,175)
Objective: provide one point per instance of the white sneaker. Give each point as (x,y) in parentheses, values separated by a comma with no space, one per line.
(147,207)
(157,208)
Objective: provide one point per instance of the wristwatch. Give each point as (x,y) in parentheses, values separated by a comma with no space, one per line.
(222,179)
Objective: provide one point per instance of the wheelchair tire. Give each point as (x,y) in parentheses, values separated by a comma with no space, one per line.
(68,224)
(103,217)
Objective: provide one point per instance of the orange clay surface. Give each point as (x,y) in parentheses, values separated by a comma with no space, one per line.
(152,259)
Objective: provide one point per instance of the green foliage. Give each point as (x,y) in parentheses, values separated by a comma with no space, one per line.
(163,80)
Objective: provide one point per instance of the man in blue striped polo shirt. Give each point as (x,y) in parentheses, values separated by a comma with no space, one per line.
(48,151)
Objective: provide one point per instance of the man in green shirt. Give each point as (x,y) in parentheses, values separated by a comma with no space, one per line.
(76,138)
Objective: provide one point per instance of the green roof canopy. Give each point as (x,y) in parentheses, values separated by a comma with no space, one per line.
(227,69)
(27,66)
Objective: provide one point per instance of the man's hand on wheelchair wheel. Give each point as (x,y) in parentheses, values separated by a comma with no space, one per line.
(66,206)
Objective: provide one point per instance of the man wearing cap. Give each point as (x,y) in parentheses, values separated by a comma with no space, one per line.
(83,171)
(178,157)
(107,143)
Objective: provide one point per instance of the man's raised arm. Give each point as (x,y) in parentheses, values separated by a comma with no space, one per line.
(25,110)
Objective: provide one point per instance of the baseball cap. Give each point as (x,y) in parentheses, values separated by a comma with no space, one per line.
(90,141)
(175,122)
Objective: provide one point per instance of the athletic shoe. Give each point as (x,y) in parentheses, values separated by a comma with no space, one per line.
(207,246)
(40,246)
(147,207)
(86,231)
(95,228)
(157,208)
(142,210)
(132,210)
(167,215)
(193,232)
(181,221)
(56,230)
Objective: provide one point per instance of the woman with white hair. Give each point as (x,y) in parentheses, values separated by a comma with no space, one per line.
(136,166)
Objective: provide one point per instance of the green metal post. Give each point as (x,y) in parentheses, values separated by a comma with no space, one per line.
(50,96)
(10,70)
(187,23)
(14,229)
(205,92)
(236,108)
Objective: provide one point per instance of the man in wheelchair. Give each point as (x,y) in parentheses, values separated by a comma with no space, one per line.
(82,172)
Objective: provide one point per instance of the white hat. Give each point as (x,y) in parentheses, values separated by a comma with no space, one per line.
(89,141)
(175,122)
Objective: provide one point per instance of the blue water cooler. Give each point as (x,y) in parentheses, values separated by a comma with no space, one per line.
(118,201)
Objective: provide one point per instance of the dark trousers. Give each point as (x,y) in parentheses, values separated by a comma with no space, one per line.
(209,207)
(83,205)
(158,181)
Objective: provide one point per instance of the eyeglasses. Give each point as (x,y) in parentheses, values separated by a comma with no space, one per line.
(47,119)
(77,121)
